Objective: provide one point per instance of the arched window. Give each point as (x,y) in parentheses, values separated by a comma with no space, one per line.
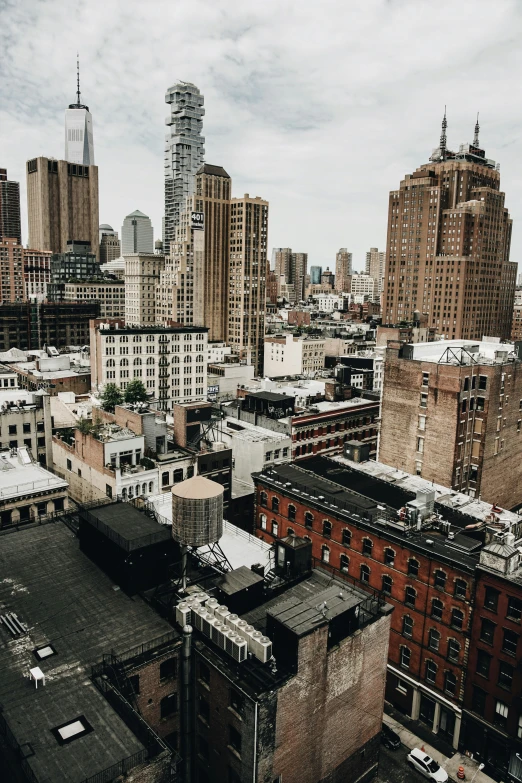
(389,556)
(262,521)
(457,618)
(405,657)
(410,596)
(199,357)
(275,528)
(440,579)
(387,584)
(131,493)
(433,639)
(175,360)
(124,493)
(327,528)
(325,554)
(291,512)
(111,363)
(144,489)
(344,564)
(309,519)
(413,567)
(365,574)
(178,475)
(431,671)
(367,547)
(347,537)
(290,531)
(263,499)
(188,359)
(151,486)
(124,363)
(460,588)
(275,505)
(436,609)
(307,538)
(150,360)
(165,479)
(137,362)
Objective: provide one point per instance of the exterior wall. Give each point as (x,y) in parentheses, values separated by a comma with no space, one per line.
(29,425)
(516,328)
(343,270)
(10,224)
(326,433)
(467,449)
(299,318)
(152,688)
(62,204)
(11,271)
(37,274)
(252,454)
(418,642)
(109,293)
(27,326)
(363,285)
(289,355)
(142,274)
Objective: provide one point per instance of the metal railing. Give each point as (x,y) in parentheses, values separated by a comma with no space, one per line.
(120,768)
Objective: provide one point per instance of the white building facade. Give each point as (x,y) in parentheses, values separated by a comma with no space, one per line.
(142,275)
(137,234)
(289,355)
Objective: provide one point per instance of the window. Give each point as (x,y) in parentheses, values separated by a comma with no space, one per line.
(436,609)
(203,709)
(425,378)
(422,423)
(236,701)
(457,618)
(169,705)
(327,528)
(346,537)
(291,513)
(234,739)
(453,650)
(420,445)
(440,579)
(41,653)
(165,479)
(431,671)
(460,588)
(204,673)
(275,528)
(325,554)
(290,531)
(178,475)
(410,595)
(389,557)
(407,626)
(26,428)
(514,610)
(413,567)
(510,642)
(478,700)
(12,429)
(505,675)
(487,631)
(275,505)
(262,520)
(483,663)
(433,639)
(387,583)
(365,574)
(69,464)
(483,382)
(450,683)
(501,713)
(405,657)
(423,400)
(367,547)
(309,519)
(73,729)
(168,669)
(344,564)
(263,499)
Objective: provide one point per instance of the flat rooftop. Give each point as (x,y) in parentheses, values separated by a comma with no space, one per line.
(19,475)
(125,525)
(244,430)
(67,602)
(485,351)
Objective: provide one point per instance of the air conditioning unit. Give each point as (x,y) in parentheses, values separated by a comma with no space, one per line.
(211,605)
(264,649)
(201,598)
(207,623)
(239,649)
(240,625)
(254,636)
(246,632)
(183,614)
(232,621)
(216,631)
(223,637)
(197,618)
(222,613)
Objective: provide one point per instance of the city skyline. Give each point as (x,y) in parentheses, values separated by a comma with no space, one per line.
(264,132)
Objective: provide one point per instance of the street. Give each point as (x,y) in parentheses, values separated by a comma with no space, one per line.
(393,767)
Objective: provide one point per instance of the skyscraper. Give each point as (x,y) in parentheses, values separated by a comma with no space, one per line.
(448,246)
(343,269)
(137,234)
(375,267)
(291,269)
(79,144)
(247,279)
(10,224)
(62,204)
(110,247)
(315,275)
(184,151)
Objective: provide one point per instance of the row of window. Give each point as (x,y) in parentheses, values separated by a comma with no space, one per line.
(450,680)
(500,716)
(514,607)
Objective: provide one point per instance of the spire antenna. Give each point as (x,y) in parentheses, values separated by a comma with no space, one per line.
(443,139)
(78,102)
(476,136)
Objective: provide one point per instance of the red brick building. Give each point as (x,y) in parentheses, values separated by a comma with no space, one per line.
(359,527)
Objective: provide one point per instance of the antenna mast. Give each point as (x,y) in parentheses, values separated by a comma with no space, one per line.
(78,102)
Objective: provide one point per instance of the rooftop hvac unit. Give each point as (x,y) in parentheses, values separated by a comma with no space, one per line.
(230,639)
(197,618)
(207,622)
(221,612)
(216,631)
(211,605)
(264,649)
(239,649)
(232,621)
(240,625)
(247,632)
(201,598)
(254,637)
(183,614)
(223,637)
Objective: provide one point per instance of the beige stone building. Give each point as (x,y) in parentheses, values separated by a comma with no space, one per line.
(448,245)
(37,274)
(142,275)
(109,293)
(290,270)
(375,260)
(452,413)
(247,279)
(343,270)
(28,492)
(289,355)
(62,204)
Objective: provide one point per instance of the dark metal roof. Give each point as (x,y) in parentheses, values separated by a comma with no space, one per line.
(215,171)
(126,526)
(239,579)
(271,396)
(65,601)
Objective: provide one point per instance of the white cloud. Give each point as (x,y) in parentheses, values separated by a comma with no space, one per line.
(319,107)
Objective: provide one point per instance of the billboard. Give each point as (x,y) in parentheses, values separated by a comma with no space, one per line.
(197,220)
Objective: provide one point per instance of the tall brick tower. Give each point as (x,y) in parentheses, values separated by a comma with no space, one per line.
(448,245)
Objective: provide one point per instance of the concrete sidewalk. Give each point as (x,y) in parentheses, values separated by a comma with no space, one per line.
(451,765)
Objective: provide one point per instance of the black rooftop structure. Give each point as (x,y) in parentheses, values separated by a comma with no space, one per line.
(215,171)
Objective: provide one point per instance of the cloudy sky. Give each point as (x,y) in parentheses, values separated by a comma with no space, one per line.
(321,108)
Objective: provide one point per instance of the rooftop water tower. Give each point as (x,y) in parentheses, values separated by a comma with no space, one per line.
(197,520)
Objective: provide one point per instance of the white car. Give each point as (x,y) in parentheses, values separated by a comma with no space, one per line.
(427,766)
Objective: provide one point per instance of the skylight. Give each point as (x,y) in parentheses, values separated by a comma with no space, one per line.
(73,729)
